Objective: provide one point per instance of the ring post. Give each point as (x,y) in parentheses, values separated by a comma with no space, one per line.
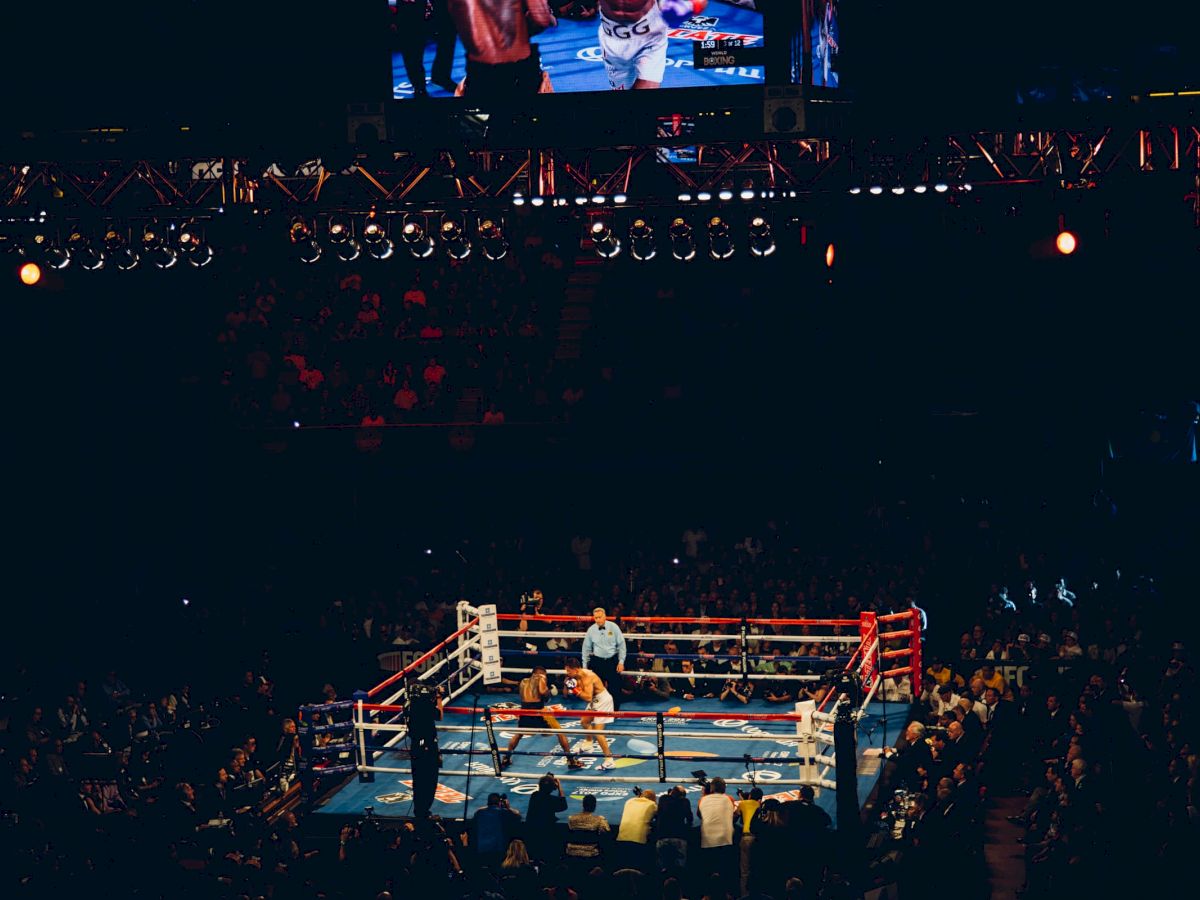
(366,758)
(662,755)
(914,659)
(491,733)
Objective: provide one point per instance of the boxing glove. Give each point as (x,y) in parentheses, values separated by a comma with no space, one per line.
(676,12)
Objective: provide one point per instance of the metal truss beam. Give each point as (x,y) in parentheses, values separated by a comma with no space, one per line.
(797,167)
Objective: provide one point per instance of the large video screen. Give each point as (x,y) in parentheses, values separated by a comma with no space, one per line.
(592,45)
(825,36)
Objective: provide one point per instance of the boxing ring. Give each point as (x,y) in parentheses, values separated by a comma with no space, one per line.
(776,747)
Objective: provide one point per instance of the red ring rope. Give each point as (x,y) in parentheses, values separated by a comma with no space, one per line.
(423,658)
(694,620)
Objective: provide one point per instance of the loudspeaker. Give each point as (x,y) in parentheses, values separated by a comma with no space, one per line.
(783,110)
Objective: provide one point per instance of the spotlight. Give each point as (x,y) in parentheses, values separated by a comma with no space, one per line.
(30,274)
(683,247)
(604,241)
(599,199)
(491,238)
(156,249)
(619,199)
(413,235)
(704,196)
(685,197)
(829,256)
(1066,243)
(898,190)
(920,189)
(855,191)
(341,235)
(747,192)
(941,187)
(641,240)
(720,241)
(725,194)
(374,233)
(761,241)
(454,239)
(518,199)
(83,253)
(538,201)
(56,257)
(876,189)
(340,230)
(202,257)
(308,248)
(581,201)
(117,248)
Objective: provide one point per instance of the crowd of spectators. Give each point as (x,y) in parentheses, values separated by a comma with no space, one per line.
(396,343)
(1083,703)
(138,789)
(1076,697)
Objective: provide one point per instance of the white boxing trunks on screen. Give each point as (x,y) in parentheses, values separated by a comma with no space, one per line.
(602,702)
(634,50)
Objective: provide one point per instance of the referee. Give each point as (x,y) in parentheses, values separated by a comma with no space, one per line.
(604,653)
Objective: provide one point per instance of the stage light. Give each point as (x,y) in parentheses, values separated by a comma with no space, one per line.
(308,249)
(519,200)
(619,199)
(118,250)
(83,253)
(703,196)
(855,191)
(683,247)
(538,201)
(581,200)
(685,198)
(725,194)
(829,256)
(374,234)
(30,274)
(412,233)
(491,238)
(1065,243)
(876,189)
(720,240)
(941,187)
(454,239)
(604,242)
(202,257)
(898,190)
(155,247)
(56,257)
(747,192)
(340,230)
(641,240)
(599,199)
(920,189)
(761,241)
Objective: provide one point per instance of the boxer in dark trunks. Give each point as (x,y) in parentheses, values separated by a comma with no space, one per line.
(534,690)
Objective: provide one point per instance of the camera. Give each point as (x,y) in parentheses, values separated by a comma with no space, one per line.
(701,778)
(637,791)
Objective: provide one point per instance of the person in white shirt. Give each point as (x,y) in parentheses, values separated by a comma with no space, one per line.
(943,699)
(716,810)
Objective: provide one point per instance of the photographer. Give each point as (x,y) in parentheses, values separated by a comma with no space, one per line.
(541,818)
(633,835)
(740,691)
(492,827)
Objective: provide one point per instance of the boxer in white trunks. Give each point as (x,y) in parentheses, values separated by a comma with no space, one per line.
(587,685)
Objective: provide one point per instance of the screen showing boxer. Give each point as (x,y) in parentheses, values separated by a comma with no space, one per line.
(670,130)
(568,46)
(825,38)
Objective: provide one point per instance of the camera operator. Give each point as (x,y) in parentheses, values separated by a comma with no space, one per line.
(533,647)
(633,834)
(736,690)
(424,708)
